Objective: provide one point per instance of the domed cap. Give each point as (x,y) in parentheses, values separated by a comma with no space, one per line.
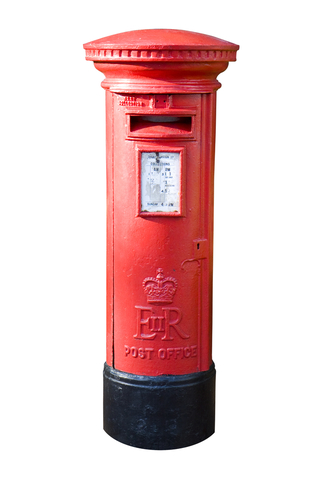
(160,44)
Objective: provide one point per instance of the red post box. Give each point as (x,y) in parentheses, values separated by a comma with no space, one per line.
(159,377)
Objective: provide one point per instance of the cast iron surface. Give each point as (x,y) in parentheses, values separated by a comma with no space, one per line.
(159,413)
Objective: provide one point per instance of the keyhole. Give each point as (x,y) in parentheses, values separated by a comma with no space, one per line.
(197,246)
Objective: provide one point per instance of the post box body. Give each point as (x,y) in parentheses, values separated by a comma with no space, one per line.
(160,114)
(161,252)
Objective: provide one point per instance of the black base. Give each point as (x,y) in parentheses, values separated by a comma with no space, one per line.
(159,413)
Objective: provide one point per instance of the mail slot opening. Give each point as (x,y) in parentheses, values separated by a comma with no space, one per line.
(160,124)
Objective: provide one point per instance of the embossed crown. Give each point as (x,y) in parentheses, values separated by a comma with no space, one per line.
(160,289)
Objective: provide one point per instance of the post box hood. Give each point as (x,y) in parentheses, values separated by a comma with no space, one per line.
(188,61)
(160,44)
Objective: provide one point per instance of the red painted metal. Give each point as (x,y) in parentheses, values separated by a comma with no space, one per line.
(160,109)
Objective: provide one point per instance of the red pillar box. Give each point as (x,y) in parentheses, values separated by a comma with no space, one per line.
(159,377)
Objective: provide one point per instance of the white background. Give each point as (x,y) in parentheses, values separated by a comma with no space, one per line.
(274,248)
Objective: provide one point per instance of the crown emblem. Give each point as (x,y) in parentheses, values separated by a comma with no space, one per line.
(160,289)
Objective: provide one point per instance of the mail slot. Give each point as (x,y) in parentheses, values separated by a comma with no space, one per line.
(159,376)
(160,126)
